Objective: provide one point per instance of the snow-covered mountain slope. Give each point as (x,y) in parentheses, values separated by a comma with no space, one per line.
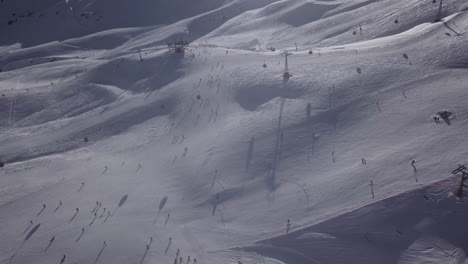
(208,153)
(389,231)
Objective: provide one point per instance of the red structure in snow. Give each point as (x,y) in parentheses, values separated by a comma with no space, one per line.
(463,170)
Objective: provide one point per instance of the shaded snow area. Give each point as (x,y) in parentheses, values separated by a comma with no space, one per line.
(119,150)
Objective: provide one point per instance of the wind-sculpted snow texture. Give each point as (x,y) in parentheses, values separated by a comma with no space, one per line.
(115,149)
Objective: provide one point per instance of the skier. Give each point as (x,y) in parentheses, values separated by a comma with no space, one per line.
(414,167)
(288,226)
(81,234)
(103,212)
(63,259)
(29,226)
(96,207)
(108,215)
(94,219)
(372,188)
(168,245)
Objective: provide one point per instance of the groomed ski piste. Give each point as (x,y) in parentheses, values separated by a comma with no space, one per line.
(203,157)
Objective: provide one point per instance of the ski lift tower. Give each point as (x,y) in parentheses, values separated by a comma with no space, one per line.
(286,74)
(464,171)
(439,12)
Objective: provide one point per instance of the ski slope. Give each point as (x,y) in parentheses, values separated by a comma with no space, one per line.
(210,152)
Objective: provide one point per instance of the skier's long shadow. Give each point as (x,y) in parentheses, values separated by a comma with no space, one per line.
(162,203)
(32,232)
(168,246)
(40,212)
(48,246)
(73,217)
(25,240)
(100,253)
(272,179)
(56,209)
(78,239)
(108,215)
(94,219)
(144,255)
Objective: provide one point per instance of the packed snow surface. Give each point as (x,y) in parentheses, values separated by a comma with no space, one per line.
(118,150)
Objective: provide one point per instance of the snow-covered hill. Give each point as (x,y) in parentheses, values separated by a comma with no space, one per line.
(110,158)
